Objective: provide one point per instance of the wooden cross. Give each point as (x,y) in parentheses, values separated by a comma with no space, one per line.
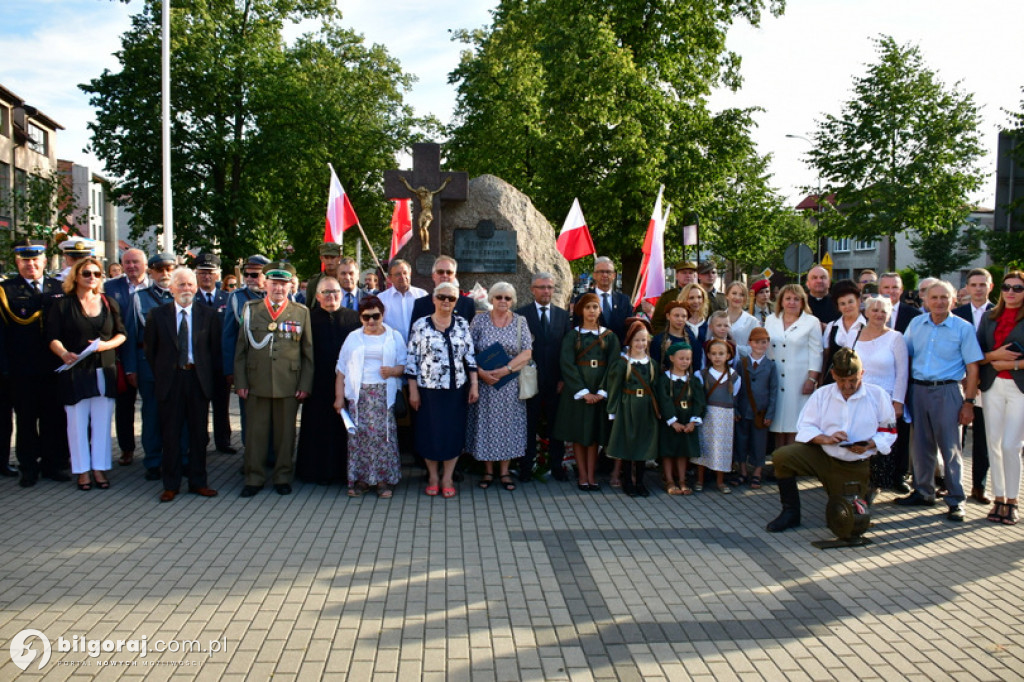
(428,187)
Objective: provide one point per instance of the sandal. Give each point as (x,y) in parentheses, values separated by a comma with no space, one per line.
(102,485)
(996,515)
(432,490)
(673,489)
(724,489)
(1010,517)
(84,486)
(755,482)
(615,483)
(509,484)
(486,481)
(384,491)
(698,488)
(685,490)
(448,493)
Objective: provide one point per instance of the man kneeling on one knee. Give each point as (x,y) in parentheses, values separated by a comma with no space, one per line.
(840,427)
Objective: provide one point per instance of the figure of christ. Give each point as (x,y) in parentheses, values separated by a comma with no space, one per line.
(426,199)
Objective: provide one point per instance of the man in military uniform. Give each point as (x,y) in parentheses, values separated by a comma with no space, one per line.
(207,273)
(137,371)
(686,273)
(28,367)
(74,249)
(707,275)
(273,372)
(330,259)
(251,290)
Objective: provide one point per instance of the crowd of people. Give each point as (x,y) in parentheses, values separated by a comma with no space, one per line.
(849,381)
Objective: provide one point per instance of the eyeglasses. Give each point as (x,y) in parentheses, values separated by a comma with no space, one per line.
(1015,288)
(604,272)
(370,316)
(444,272)
(445,297)
(90,273)
(501,297)
(251,275)
(331,292)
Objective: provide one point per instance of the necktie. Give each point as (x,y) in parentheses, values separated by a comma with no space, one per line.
(209,298)
(544,319)
(606,308)
(183,340)
(35,285)
(348,301)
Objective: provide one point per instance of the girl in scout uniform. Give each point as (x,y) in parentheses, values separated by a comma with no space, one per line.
(682,404)
(632,409)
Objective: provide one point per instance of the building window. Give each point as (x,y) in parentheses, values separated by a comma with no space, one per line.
(37,139)
(20,191)
(841,245)
(5,121)
(5,193)
(840,274)
(869,245)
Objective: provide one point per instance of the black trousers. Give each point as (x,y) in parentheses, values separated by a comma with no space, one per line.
(901,450)
(6,421)
(221,421)
(184,404)
(42,436)
(540,419)
(979,449)
(124,419)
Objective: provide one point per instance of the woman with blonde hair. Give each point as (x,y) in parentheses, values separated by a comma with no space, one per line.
(741,322)
(796,350)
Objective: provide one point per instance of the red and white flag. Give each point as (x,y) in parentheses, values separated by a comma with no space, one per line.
(340,214)
(401,225)
(652,268)
(574,240)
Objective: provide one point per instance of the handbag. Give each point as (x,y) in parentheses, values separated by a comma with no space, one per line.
(528,386)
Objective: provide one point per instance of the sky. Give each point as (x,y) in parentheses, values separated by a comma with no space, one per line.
(797,67)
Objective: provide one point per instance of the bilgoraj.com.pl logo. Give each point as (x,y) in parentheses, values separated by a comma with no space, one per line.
(25,649)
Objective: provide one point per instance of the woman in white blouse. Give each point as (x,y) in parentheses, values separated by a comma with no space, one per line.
(796,349)
(842,332)
(741,323)
(883,353)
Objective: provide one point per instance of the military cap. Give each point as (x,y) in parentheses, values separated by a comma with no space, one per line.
(29,248)
(846,362)
(330,249)
(706,267)
(257,259)
(686,265)
(79,247)
(207,261)
(162,259)
(279,270)
(760,284)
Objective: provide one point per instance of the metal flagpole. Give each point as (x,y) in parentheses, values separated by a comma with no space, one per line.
(165,116)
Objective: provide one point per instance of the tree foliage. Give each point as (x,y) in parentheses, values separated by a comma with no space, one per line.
(902,154)
(255,121)
(605,102)
(949,250)
(42,204)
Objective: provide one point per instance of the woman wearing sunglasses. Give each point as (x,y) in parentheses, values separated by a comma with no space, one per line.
(497,422)
(1001,336)
(88,384)
(369,376)
(443,383)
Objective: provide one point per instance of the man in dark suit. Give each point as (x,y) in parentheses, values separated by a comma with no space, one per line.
(182,342)
(890,285)
(209,295)
(615,305)
(133,262)
(348,278)
(445,270)
(548,324)
(979,286)
(28,367)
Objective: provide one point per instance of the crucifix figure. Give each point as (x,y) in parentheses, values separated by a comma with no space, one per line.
(426,198)
(430,187)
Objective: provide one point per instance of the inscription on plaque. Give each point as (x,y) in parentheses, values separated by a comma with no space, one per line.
(485,249)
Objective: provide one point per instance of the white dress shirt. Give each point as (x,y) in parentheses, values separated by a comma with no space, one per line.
(178,310)
(867,415)
(398,308)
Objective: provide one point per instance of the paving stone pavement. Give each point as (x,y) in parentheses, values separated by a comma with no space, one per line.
(543,583)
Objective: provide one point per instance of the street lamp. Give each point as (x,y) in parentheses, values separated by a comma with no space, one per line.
(821,248)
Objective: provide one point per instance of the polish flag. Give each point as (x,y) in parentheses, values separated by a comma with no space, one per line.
(401,226)
(340,214)
(574,240)
(652,268)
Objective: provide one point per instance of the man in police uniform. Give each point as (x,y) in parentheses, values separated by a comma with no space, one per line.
(210,295)
(28,368)
(137,371)
(251,290)
(273,373)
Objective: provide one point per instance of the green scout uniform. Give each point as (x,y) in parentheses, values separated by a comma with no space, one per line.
(584,359)
(631,399)
(682,400)
(274,360)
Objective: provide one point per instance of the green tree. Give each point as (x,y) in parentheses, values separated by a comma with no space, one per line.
(255,120)
(605,102)
(42,203)
(902,154)
(948,250)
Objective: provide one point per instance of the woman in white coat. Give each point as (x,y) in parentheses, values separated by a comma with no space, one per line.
(795,346)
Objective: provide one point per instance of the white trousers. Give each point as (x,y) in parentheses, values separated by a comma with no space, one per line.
(1004,430)
(96,412)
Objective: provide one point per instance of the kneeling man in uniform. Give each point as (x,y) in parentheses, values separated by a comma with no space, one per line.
(840,427)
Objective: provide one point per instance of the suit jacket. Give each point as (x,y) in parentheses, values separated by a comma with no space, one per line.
(161,346)
(965,312)
(547,347)
(987,341)
(285,364)
(425,306)
(140,304)
(904,314)
(25,352)
(621,309)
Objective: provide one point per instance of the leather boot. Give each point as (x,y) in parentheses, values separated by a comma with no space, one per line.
(641,471)
(789,495)
(628,486)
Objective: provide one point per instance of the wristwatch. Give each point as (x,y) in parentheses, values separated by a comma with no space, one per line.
(970,401)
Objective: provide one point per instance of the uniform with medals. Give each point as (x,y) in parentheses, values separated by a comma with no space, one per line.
(273,362)
(28,366)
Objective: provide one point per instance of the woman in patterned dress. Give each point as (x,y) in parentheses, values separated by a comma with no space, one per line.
(497,422)
(369,375)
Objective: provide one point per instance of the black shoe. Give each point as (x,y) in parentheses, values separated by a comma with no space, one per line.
(525,477)
(8,471)
(902,488)
(27,481)
(283,489)
(58,476)
(249,490)
(153,474)
(789,518)
(915,499)
(227,449)
(956,514)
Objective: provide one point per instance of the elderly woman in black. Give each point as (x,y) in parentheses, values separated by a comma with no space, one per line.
(443,383)
(88,385)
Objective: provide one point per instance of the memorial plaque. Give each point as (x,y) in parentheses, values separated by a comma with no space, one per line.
(425,264)
(476,253)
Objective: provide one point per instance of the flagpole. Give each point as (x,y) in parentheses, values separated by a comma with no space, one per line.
(636,284)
